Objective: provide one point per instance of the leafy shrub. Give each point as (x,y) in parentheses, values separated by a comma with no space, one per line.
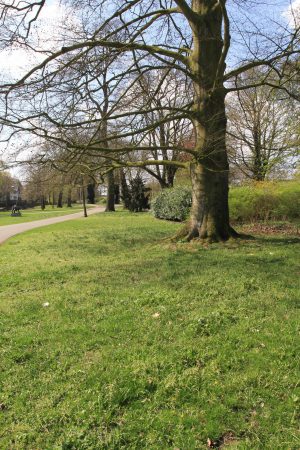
(172,204)
(256,201)
(102,201)
(265,201)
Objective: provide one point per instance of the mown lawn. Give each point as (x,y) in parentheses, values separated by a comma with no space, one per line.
(31,214)
(147,344)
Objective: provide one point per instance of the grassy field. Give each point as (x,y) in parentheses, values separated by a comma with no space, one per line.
(29,215)
(113,338)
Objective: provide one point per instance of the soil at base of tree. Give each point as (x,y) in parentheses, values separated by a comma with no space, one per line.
(287,228)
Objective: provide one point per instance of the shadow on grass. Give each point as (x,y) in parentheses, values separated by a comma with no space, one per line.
(288,240)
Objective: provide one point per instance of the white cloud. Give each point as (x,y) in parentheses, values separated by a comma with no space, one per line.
(292,14)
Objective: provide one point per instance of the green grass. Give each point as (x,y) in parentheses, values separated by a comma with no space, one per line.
(29,215)
(145,344)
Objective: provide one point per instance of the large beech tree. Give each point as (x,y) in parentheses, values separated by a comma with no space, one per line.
(192,37)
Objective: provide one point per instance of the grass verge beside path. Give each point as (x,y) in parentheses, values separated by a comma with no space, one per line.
(32,214)
(114,339)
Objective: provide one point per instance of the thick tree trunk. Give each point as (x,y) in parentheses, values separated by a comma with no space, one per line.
(209,172)
(110,199)
(209,214)
(210,211)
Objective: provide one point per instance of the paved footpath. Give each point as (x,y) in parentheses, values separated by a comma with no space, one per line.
(7,231)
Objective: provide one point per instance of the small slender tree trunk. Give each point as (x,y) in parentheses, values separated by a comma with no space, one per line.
(125,194)
(84,202)
(43,203)
(69,198)
(53,200)
(170,174)
(110,199)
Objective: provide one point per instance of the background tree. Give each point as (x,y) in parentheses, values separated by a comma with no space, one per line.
(157,90)
(138,198)
(262,130)
(91,192)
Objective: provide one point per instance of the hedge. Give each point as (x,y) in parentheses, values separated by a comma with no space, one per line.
(265,201)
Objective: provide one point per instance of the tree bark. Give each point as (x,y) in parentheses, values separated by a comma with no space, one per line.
(110,199)
(91,193)
(209,213)
(125,194)
(170,172)
(209,174)
(43,203)
(69,199)
(84,201)
(59,200)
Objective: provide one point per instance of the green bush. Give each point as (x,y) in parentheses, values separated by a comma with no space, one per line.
(265,201)
(252,202)
(172,204)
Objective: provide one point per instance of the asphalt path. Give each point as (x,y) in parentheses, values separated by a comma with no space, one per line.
(7,231)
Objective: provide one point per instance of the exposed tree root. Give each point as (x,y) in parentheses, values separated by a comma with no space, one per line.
(186,234)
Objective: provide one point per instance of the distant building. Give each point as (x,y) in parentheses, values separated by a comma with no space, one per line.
(102,190)
(10,192)
(14,195)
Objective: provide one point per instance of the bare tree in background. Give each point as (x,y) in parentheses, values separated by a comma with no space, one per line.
(158,90)
(262,130)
